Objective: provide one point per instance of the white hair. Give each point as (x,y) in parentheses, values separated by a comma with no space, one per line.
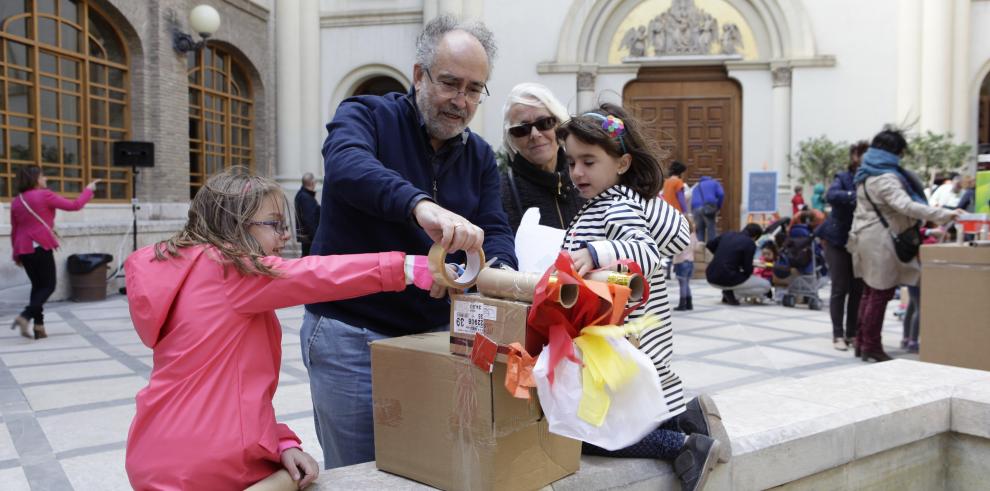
(530,94)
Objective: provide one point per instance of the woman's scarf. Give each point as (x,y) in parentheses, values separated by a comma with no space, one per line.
(877,162)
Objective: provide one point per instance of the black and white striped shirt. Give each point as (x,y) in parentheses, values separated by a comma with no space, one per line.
(620,224)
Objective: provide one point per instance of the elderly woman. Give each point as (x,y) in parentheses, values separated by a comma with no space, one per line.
(889,201)
(537,174)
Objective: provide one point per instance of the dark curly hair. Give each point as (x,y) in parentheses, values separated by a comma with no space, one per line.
(645,176)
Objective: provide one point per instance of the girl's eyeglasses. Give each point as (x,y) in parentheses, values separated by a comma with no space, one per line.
(541,124)
(278,226)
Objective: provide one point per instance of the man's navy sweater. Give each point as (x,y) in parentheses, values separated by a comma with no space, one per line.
(378,164)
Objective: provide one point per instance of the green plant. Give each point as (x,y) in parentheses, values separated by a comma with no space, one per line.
(818,160)
(935,153)
(502,159)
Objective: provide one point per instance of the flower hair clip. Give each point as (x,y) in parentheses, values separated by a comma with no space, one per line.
(612,126)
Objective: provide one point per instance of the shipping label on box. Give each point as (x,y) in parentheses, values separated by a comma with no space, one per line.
(502,321)
(469,317)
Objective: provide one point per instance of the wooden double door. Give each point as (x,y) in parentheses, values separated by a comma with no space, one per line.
(696,115)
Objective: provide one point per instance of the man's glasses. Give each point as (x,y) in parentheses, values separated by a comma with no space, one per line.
(541,124)
(278,226)
(450,90)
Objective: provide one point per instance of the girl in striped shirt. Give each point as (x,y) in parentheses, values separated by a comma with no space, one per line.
(617,169)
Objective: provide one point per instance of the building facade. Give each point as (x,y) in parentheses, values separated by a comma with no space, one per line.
(78,75)
(729,86)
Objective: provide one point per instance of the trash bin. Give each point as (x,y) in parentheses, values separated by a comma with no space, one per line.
(88,276)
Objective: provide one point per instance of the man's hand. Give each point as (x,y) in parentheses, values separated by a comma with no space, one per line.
(300,466)
(582,261)
(439,291)
(452,231)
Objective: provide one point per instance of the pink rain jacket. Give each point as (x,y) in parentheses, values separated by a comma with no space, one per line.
(205,420)
(25,229)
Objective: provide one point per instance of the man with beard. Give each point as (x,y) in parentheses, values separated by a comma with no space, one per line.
(402,171)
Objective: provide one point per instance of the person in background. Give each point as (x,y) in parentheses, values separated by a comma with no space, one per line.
(968,200)
(33,238)
(846,287)
(818,197)
(949,193)
(684,271)
(884,189)
(706,201)
(307,212)
(797,202)
(763,267)
(537,172)
(673,187)
(731,267)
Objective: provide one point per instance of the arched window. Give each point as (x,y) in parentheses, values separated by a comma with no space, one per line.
(63,95)
(379,85)
(221,115)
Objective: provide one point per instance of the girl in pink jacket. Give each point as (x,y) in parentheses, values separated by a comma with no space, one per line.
(204,301)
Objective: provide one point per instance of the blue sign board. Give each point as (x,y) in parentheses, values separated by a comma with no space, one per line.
(762,192)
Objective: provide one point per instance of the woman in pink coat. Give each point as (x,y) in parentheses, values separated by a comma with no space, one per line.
(204,301)
(32,237)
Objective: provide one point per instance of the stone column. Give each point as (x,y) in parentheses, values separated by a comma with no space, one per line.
(585,91)
(908,62)
(288,88)
(780,129)
(313,131)
(962,109)
(936,65)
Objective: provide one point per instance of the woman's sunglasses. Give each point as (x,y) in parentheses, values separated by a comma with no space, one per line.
(541,124)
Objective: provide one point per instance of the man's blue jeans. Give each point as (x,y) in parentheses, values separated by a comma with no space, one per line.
(704,225)
(338,359)
(337,356)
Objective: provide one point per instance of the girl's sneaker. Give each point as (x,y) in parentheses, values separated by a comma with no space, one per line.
(913,347)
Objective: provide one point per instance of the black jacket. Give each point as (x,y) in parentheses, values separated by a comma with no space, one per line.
(553,193)
(733,261)
(842,196)
(307,215)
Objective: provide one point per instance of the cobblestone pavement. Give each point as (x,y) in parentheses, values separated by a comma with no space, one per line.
(67,401)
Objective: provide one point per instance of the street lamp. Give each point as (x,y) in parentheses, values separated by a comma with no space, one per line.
(203,19)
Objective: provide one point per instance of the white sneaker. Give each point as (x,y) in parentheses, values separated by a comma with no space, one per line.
(840,344)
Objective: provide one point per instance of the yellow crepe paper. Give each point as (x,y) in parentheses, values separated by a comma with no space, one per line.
(604,366)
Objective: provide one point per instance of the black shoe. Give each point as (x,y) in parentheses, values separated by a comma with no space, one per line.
(729,297)
(681,304)
(695,462)
(701,417)
(688,305)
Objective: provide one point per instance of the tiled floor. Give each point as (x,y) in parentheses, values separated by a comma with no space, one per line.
(67,401)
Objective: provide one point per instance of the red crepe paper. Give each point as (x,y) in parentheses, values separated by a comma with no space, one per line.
(483,352)
(598,304)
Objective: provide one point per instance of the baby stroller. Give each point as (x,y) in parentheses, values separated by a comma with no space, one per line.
(802,255)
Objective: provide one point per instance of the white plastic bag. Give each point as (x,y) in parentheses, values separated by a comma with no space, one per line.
(636,409)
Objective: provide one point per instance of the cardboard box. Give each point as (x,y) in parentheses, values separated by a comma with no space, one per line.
(955,311)
(503,321)
(441,421)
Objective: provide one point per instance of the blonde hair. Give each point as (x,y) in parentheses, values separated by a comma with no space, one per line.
(219,216)
(530,94)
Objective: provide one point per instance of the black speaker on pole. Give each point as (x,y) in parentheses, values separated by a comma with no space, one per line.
(133,154)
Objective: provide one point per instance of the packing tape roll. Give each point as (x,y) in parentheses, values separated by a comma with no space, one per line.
(467,279)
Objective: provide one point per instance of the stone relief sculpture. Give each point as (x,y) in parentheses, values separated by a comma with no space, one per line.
(731,39)
(683,29)
(635,41)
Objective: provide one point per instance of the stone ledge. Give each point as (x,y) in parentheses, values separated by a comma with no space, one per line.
(782,432)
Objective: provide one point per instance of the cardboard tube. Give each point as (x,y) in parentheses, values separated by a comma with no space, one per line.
(513,285)
(475,264)
(633,281)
